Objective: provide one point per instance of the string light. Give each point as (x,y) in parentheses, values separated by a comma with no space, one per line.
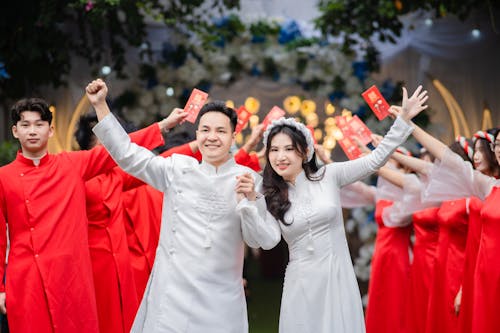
(253,121)
(318,134)
(329,130)
(337,134)
(230,104)
(292,104)
(329,143)
(252,104)
(347,114)
(329,109)
(330,121)
(239,138)
(105,70)
(312,119)
(307,107)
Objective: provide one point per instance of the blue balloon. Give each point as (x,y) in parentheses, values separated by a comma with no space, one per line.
(220,42)
(3,72)
(361,111)
(255,71)
(371,216)
(387,88)
(221,21)
(337,94)
(258,39)
(289,32)
(360,69)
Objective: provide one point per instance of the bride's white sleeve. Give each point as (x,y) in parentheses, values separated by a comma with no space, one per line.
(399,214)
(357,194)
(350,171)
(453,178)
(386,190)
(258,226)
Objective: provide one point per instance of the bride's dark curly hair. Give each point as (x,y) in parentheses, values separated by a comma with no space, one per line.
(275,187)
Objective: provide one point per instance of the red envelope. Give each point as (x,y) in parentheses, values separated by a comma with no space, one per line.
(350,148)
(360,130)
(377,102)
(243,118)
(194,104)
(275,113)
(341,122)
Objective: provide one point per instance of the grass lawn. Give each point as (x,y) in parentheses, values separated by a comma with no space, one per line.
(264,306)
(264,300)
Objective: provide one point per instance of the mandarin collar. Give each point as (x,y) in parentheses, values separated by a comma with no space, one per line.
(29,162)
(300,179)
(223,168)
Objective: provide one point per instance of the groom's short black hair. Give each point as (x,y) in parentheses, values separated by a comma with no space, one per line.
(219,106)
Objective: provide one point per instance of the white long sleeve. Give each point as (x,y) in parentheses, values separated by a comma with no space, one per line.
(399,214)
(453,178)
(351,171)
(132,158)
(357,194)
(258,227)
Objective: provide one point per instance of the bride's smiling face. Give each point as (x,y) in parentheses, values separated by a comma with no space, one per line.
(284,158)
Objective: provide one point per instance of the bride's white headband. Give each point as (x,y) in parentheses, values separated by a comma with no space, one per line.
(299,127)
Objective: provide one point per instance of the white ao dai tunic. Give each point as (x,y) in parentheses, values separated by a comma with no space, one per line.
(196,282)
(320,293)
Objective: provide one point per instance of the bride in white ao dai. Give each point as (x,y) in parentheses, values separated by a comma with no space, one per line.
(320,293)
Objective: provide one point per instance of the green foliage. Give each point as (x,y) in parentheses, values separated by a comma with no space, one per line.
(8,150)
(38,39)
(262,28)
(299,42)
(222,31)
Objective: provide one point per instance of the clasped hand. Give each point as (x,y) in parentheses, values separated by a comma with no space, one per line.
(245,187)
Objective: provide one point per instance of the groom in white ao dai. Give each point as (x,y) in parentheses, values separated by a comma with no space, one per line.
(208,213)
